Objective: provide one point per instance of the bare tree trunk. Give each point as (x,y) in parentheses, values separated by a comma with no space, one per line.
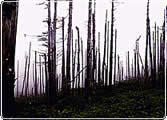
(148,39)
(68,72)
(135,63)
(63,59)
(111,43)
(107,54)
(9,30)
(46,77)
(55,52)
(40,77)
(132,68)
(82,63)
(43,81)
(154,56)
(122,73)
(104,55)
(73,65)
(99,61)
(78,67)
(27,85)
(94,42)
(118,70)
(115,55)
(36,89)
(89,53)
(24,76)
(128,67)
(18,78)
(50,81)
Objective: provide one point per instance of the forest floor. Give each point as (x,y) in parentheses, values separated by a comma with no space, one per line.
(118,102)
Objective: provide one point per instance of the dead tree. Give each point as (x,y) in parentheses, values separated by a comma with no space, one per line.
(50,79)
(93,40)
(68,70)
(78,67)
(46,77)
(40,76)
(132,68)
(82,63)
(36,89)
(17,78)
(128,67)
(115,55)
(63,59)
(104,55)
(162,56)
(43,80)
(148,43)
(25,73)
(135,63)
(28,69)
(111,43)
(122,73)
(54,48)
(118,70)
(89,53)
(99,61)
(9,30)
(138,63)
(154,55)
(107,54)
(72,59)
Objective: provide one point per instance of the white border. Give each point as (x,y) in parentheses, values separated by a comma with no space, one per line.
(78,118)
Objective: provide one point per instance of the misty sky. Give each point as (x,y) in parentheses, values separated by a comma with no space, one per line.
(130,22)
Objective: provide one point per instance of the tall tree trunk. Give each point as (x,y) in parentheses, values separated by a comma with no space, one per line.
(132,68)
(99,61)
(73,65)
(111,44)
(36,89)
(135,64)
(148,43)
(94,42)
(46,77)
(28,69)
(118,70)
(18,78)
(107,54)
(104,55)
(154,56)
(40,76)
(128,67)
(50,81)
(55,52)
(9,30)
(82,63)
(89,53)
(115,55)
(78,67)
(63,59)
(68,70)
(25,73)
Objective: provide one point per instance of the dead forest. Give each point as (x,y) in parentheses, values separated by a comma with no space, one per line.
(83,71)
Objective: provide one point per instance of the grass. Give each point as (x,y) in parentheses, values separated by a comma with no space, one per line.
(118,102)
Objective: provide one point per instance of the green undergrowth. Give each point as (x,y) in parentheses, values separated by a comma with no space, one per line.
(116,102)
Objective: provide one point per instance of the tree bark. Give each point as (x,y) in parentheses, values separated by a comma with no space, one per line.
(9,30)
(68,70)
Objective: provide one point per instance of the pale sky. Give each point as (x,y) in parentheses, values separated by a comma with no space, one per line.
(130,22)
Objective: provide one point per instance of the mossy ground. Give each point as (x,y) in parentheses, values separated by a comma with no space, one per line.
(115,102)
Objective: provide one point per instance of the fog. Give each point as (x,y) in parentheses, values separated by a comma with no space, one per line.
(130,22)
